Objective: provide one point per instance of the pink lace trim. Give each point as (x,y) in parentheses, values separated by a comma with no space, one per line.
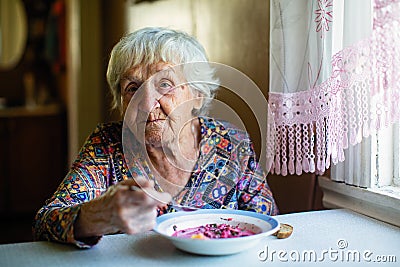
(363,94)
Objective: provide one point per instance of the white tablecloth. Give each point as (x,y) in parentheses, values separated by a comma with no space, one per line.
(331,237)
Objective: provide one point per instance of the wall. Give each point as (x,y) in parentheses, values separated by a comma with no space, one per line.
(114,27)
(94,26)
(84,76)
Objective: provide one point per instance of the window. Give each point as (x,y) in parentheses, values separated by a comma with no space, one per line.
(377,160)
(385,161)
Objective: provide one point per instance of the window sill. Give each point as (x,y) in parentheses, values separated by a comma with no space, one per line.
(370,202)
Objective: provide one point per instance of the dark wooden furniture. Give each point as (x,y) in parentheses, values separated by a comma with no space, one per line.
(294,193)
(33,161)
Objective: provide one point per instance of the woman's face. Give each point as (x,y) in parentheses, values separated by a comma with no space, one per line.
(157,103)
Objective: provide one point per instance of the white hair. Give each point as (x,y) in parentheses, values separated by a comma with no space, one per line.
(152,45)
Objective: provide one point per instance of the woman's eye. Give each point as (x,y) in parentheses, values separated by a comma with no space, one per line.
(165,85)
(131,88)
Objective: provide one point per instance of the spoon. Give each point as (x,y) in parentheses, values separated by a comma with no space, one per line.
(179,207)
(172,204)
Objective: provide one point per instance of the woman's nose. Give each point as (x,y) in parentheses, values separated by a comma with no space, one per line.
(149,99)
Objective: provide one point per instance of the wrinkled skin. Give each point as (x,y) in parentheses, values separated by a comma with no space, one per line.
(121,209)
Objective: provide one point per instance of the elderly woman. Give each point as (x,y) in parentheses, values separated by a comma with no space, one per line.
(170,149)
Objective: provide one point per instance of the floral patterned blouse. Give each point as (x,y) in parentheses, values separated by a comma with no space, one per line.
(226,175)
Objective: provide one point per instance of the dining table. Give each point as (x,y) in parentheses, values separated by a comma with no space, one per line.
(334,237)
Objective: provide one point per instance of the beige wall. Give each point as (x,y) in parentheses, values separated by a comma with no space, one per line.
(84,99)
(233,32)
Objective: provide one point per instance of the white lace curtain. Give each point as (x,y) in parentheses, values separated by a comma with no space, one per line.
(334,80)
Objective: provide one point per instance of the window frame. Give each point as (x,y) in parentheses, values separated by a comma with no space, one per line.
(373,202)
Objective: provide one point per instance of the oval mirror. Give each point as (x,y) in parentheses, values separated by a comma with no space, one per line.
(13,33)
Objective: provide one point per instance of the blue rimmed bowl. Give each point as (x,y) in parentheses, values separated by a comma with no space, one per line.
(262,225)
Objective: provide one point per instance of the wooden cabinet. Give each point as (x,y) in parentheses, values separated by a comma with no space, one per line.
(294,193)
(33,157)
(3,164)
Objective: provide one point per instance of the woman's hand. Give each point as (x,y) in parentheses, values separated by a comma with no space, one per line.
(121,209)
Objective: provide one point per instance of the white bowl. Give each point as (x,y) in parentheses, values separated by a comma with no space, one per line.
(262,225)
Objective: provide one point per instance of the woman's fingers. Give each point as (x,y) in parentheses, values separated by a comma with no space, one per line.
(136,207)
(142,184)
(120,209)
(139,221)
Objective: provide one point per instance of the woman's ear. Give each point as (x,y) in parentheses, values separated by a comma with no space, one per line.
(198,99)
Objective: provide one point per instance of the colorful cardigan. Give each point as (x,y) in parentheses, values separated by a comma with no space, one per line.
(226,175)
